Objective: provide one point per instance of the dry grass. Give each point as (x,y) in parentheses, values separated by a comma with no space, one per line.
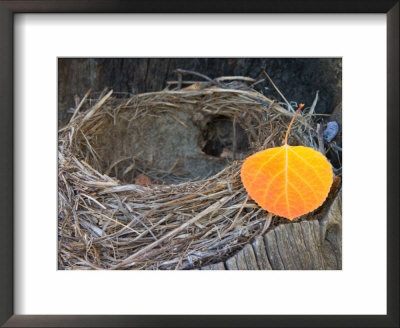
(107,223)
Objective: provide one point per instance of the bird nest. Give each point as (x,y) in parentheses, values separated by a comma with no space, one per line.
(153,181)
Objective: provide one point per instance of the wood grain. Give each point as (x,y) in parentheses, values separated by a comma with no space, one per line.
(304,245)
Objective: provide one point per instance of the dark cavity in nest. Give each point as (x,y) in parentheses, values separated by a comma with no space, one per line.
(224,137)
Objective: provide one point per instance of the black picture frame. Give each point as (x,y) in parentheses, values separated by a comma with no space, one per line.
(7,10)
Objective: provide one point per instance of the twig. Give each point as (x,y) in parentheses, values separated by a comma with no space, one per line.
(205,77)
(236,217)
(276,88)
(96,107)
(267,223)
(312,109)
(111,219)
(179,80)
(234,146)
(129,215)
(257,82)
(182,82)
(320,137)
(234,78)
(80,104)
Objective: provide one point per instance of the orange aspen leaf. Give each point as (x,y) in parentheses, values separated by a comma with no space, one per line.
(288,181)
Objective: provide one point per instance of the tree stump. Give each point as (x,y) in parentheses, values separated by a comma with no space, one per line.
(305,245)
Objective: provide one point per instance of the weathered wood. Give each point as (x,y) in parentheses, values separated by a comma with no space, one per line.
(331,233)
(273,251)
(298,241)
(241,260)
(305,245)
(261,254)
(304,254)
(216,266)
(286,250)
(333,216)
(299,254)
(231,263)
(245,259)
(250,258)
(312,245)
(316,230)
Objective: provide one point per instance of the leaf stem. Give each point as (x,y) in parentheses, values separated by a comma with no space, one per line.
(291,122)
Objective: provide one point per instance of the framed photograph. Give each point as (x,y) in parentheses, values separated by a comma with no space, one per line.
(178,151)
(205,165)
